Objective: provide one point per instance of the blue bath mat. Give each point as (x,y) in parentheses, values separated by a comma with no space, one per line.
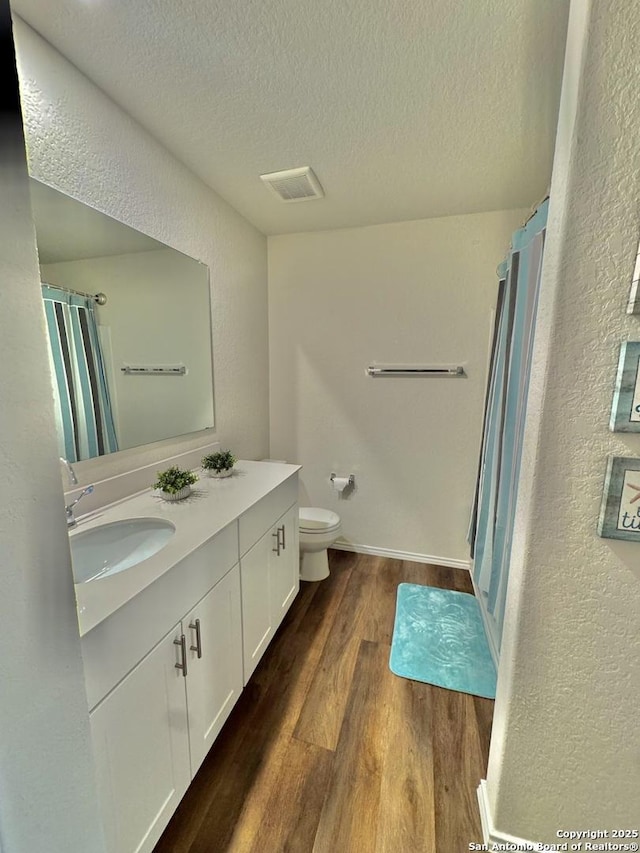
(439,638)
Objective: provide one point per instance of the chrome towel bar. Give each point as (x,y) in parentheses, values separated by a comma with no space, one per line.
(452,372)
(154,370)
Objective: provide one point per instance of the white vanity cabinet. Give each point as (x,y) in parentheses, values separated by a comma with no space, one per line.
(213,640)
(284,565)
(269,570)
(258,627)
(152,732)
(141,751)
(164,670)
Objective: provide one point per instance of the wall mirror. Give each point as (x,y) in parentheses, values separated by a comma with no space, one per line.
(129,330)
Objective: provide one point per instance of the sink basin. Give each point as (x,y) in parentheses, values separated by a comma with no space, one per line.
(111,548)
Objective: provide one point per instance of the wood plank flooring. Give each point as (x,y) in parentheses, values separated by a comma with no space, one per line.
(327,751)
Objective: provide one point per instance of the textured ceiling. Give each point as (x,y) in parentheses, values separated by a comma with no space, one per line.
(405,109)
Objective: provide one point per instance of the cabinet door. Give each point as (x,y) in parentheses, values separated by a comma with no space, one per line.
(141,748)
(257,625)
(284,568)
(214,682)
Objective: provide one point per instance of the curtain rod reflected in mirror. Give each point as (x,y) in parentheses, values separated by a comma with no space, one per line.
(99,298)
(157,313)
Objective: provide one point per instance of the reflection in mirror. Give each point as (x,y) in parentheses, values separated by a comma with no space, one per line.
(129,330)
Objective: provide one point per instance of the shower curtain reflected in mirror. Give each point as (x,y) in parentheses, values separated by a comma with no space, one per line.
(83,408)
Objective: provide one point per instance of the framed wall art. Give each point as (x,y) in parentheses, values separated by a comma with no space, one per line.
(620,508)
(625,411)
(633,306)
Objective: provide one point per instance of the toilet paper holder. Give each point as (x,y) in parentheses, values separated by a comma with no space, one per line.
(351,482)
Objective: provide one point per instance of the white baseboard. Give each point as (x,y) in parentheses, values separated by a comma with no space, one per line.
(493,836)
(403,555)
(485,819)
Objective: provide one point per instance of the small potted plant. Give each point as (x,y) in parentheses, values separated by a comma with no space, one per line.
(175,483)
(219,464)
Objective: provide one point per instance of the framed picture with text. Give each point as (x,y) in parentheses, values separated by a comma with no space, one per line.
(620,508)
(625,411)
(633,306)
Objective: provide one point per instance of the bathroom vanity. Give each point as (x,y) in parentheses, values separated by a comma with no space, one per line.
(169,644)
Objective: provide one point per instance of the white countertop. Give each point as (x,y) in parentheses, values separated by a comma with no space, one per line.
(212,505)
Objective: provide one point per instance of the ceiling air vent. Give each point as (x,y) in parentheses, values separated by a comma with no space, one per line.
(294,184)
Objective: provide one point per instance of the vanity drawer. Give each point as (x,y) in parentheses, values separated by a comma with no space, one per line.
(262,515)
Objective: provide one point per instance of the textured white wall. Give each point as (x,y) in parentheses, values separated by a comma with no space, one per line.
(415,292)
(47,792)
(565,752)
(82,143)
(148,296)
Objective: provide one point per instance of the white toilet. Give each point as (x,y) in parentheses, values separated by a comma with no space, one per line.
(319,529)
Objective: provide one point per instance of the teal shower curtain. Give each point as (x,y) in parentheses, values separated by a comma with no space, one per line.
(83,408)
(493,518)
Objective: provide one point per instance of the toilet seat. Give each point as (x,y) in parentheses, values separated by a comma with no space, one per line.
(324,531)
(317,520)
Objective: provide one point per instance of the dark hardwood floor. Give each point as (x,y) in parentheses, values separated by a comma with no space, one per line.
(327,751)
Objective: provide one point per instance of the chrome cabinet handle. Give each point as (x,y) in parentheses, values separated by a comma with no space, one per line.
(284,544)
(276,550)
(198,646)
(182,642)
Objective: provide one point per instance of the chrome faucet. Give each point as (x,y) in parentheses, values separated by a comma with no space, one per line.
(71,521)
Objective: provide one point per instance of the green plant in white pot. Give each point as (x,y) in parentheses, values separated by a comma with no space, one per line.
(219,464)
(175,483)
